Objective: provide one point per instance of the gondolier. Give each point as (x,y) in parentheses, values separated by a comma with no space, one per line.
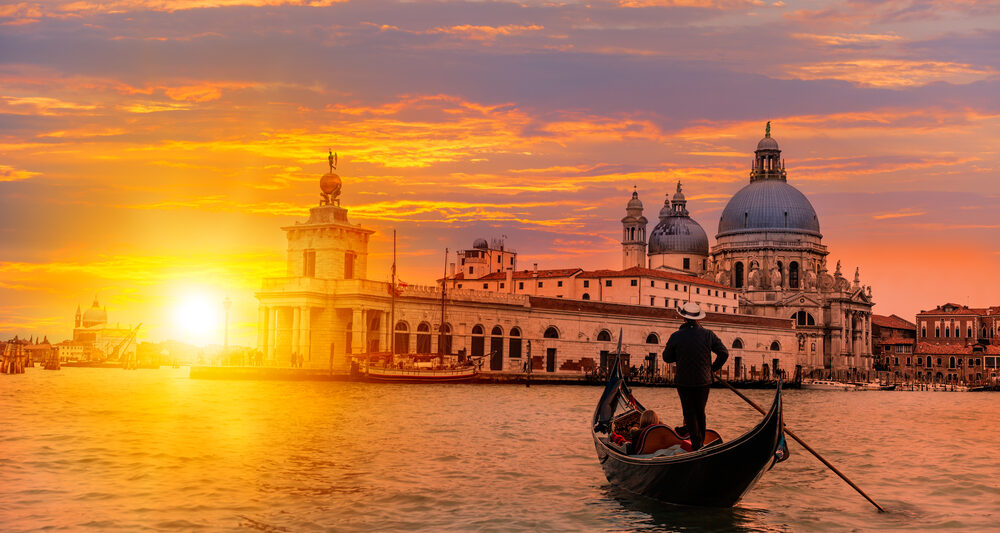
(691,348)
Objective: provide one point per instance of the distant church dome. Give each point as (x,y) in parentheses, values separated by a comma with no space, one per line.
(95,316)
(677,232)
(480,244)
(768,203)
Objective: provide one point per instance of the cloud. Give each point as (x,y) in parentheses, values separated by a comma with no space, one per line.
(9,173)
(899,214)
(891,73)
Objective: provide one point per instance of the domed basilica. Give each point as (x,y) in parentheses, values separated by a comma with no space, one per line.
(768,247)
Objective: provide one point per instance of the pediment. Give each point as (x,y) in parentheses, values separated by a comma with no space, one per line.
(800,299)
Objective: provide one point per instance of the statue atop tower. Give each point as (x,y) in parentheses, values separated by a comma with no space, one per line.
(330,184)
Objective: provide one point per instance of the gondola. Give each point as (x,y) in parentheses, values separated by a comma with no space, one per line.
(717,475)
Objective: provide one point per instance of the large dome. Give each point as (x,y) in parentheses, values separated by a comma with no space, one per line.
(768,205)
(94,316)
(678,234)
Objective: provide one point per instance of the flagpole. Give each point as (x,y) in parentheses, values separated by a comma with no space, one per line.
(444,284)
(392,291)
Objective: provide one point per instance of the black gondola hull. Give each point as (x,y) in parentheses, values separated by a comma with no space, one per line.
(715,476)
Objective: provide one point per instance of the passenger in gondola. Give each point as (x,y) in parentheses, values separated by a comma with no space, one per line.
(691,347)
(646,419)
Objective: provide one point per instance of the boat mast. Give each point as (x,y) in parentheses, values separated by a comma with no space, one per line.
(444,288)
(392,292)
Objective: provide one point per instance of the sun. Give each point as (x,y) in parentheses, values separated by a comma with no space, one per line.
(198,319)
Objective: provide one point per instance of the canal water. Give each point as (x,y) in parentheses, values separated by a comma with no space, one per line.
(108,449)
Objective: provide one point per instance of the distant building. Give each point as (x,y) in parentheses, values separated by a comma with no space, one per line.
(893,340)
(105,342)
(956,343)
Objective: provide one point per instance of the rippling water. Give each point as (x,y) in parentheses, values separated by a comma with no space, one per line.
(151,449)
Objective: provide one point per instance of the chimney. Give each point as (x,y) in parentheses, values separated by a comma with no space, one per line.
(536,268)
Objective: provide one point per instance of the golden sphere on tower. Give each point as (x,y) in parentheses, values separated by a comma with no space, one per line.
(330,184)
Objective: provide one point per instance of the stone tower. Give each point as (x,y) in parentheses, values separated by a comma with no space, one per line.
(634,234)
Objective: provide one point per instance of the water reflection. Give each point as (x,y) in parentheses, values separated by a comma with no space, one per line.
(644,514)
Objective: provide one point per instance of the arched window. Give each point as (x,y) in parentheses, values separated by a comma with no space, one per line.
(402,338)
(514,350)
(652,338)
(951,362)
(424,338)
(738,274)
(803,318)
(738,344)
(586,296)
(551,333)
(923,332)
(478,342)
(969,334)
(444,339)
(775,346)
(496,348)
(793,275)
(604,335)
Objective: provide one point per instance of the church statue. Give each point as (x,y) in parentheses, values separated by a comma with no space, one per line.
(809,276)
(754,277)
(775,278)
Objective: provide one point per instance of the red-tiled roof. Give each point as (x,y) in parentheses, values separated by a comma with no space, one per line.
(653,312)
(892,321)
(955,310)
(647,272)
(529,274)
(894,340)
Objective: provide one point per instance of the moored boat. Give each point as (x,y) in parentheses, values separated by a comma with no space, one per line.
(418,375)
(717,475)
(825,384)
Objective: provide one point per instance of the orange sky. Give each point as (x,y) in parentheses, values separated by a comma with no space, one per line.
(149,151)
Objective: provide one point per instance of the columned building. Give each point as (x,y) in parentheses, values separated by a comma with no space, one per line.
(326,310)
(769,247)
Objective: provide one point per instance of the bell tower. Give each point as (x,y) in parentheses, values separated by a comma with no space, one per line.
(634,234)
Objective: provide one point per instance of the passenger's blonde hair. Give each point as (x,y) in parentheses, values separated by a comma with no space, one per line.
(648,418)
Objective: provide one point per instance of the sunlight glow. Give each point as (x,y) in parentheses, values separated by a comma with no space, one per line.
(198,319)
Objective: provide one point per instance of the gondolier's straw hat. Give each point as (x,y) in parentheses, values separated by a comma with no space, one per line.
(691,311)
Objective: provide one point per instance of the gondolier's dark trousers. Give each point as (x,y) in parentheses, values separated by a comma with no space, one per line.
(693,401)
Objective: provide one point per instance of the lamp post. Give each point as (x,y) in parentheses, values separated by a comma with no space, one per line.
(226,304)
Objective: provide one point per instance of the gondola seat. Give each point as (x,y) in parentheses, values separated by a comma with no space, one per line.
(659,436)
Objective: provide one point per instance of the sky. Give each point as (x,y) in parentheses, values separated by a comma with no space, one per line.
(150,151)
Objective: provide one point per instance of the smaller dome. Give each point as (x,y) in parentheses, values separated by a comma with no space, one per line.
(666,210)
(480,244)
(634,203)
(330,183)
(767,143)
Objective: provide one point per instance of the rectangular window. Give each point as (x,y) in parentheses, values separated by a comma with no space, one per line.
(501,285)
(586,283)
(511,260)
(470,270)
(652,283)
(309,263)
(685,288)
(652,301)
(607,283)
(459,285)
(697,290)
(486,285)
(635,282)
(991,362)
(520,285)
(349,265)
(558,284)
(687,263)
(463,260)
(724,294)
(539,284)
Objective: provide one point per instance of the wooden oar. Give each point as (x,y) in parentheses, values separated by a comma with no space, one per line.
(804,445)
